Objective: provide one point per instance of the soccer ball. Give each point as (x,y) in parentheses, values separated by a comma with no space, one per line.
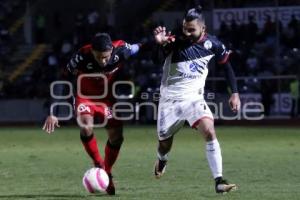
(95,180)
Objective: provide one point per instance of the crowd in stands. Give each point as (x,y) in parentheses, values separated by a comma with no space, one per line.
(257,53)
(254,53)
(252,3)
(9,11)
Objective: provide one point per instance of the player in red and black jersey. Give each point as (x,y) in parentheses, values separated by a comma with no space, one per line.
(93,69)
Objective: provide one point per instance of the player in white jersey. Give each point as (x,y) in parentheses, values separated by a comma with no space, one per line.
(185,70)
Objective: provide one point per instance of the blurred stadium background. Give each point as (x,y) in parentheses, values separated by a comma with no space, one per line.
(38,37)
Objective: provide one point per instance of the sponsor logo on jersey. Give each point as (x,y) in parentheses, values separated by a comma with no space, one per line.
(89,66)
(195,67)
(190,76)
(83,108)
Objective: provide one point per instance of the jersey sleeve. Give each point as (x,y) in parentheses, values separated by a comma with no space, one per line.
(74,63)
(125,50)
(161,52)
(221,52)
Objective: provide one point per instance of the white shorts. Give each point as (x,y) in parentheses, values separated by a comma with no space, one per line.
(173,113)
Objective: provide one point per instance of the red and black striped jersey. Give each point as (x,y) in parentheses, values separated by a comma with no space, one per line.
(90,79)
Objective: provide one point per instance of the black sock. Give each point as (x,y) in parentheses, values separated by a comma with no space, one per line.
(218,179)
(86,138)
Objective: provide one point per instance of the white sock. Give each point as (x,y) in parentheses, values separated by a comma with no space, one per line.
(214,157)
(162,157)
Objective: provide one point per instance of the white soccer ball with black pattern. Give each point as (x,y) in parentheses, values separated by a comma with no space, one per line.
(95,180)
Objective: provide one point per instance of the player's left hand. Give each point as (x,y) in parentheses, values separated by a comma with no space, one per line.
(235,102)
(50,124)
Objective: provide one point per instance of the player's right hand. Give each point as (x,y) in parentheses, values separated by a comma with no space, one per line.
(50,124)
(235,102)
(162,37)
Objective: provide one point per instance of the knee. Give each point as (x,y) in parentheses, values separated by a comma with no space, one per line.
(209,133)
(115,136)
(86,131)
(116,140)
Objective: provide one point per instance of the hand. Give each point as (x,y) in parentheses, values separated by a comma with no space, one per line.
(162,37)
(50,124)
(235,102)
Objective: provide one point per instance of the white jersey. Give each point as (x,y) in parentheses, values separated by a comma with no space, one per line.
(186,68)
(184,80)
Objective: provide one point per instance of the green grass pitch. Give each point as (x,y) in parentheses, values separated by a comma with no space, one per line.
(263,162)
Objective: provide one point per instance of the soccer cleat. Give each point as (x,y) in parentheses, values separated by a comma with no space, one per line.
(111,187)
(222,186)
(159,168)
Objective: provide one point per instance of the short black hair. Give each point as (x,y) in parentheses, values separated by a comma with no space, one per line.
(194,13)
(102,42)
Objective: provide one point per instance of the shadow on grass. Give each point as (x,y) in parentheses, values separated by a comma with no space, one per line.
(47,196)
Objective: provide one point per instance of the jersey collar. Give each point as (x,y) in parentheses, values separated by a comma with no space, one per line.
(201,39)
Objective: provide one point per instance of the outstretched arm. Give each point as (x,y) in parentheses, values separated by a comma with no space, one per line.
(51,121)
(127,50)
(68,75)
(163,45)
(133,49)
